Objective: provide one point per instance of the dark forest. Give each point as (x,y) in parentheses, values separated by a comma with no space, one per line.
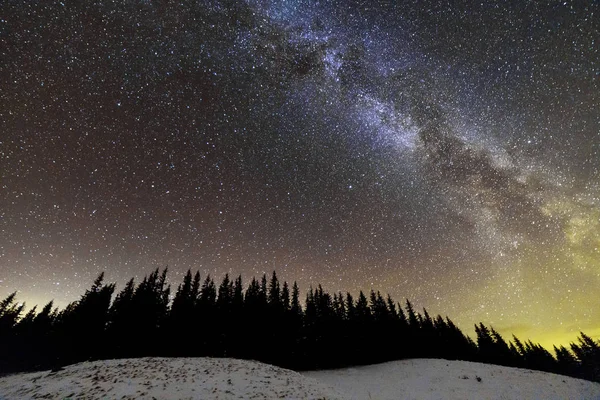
(267,321)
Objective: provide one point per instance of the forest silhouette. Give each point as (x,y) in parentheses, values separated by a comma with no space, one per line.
(265,322)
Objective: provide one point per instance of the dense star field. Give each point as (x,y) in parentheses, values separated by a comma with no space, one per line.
(448,152)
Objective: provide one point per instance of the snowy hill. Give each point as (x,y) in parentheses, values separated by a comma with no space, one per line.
(166,378)
(206,378)
(441,379)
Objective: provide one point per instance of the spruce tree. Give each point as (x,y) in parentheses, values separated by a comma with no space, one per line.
(208,294)
(350,308)
(10,311)
(225,297)
(82,327)
(274,293)
(223,322)
(503,354)
(237,334)
(363,312)
(391,306)
(263,290)
(588,352)
(181,325)
(295,307)
(566,362)
(238,296)
(363,328)
(195,292)
(207,313)
(414,339)
(413,320)
(121,323)
(485,343)
(285,297)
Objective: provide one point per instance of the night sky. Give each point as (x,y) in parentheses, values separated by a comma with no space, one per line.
(444,151)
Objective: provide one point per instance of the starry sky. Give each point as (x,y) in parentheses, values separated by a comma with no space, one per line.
(444,151)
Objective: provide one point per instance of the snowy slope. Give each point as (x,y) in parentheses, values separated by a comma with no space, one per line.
(206,378)
(440,379)
(163,378)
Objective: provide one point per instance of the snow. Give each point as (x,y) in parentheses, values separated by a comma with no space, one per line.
(212,378)
(164,378)
(441,379)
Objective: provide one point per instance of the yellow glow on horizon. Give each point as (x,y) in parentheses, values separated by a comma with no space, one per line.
(544,293)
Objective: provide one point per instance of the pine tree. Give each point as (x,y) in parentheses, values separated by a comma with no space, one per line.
(183,298)
(363,312)
(350,308)
(539,358)
(485,343)
(274,293)
(324,305)
(195,292)
(252,296)
(208,294)
(263,289)
(413,320)
(402,316)
(462,347)
(519,347)
(225,297)
(121,322)
(339,307)
(413,339)
(238,295)
(10,311)
(149,313)
(182,323)
(7,302)
(82,327)
(310,308)
(295,307)
(223,322)
(206,311)
(391,306)
(9,314)
(379,307)
(587,352)
(41,343)
(566,362)
(236,333)
(363,330)
(395,329)
(503,354)
(285,297)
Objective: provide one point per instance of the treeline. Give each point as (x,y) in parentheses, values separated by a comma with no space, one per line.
(266,321)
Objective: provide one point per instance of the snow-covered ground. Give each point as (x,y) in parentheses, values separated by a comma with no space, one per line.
(165,378)
(206,378)
(440,379)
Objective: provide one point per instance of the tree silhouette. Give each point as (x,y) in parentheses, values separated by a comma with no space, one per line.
(285,297)
(566,362)
(121,329)
(587,352)
(295,307)
(274,296)
(82,325)
(207,313)
(182,326)
(265,322)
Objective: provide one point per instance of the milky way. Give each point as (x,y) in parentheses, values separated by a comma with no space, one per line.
(446,152)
